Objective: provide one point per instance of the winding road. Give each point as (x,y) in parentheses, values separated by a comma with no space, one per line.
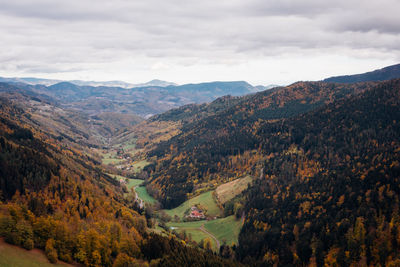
(210,234)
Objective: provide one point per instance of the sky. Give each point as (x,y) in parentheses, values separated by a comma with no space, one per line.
(185,41)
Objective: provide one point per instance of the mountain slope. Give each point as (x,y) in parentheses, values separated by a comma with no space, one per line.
(206,148)
(62,123)
(329,190)
(387,73)
(328,172)
(55,197)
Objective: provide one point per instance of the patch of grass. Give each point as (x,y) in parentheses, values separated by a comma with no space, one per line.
(206,199)
(112,161)
(116,176)
(107,161)
(131,182)
(134,182)
(225,229)
(111,158)
(142,194)
(228,191)
(192,228)
(131,145)
(18,257)
(138,166)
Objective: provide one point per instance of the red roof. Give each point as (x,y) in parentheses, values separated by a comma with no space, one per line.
(195,213)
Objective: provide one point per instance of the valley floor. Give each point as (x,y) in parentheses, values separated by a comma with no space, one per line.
(217,229)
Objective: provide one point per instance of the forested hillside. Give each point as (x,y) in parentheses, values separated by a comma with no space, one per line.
(219,145)
(55,197)
(329,190)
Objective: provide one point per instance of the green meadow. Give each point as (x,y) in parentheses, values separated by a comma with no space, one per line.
(142,194)
(206,199)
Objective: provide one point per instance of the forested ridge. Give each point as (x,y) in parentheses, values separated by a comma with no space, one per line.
(329,190)
(387,73)
(210,149)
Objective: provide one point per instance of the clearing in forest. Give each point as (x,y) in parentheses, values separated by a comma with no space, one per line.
(206,200)
(228,191)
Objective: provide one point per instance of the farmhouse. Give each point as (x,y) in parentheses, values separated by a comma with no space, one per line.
(196,213)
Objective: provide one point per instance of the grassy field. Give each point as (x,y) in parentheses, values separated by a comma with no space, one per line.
(131,182)
(192,228)
(142,194)
(138,166)
(18,257)
(226,192)
(225,229)
(111,158)
(205,199)
(134,182)
(140,190)
(130,145)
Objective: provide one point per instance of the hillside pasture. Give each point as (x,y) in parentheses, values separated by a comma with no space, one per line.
(206,200)
(14,256)
(225,229)
(228,191)
(143,195)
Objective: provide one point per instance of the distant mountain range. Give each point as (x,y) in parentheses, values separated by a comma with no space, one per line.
(387,73)
(144,101)
(122,84)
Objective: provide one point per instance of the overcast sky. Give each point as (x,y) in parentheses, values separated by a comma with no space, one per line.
(260,41)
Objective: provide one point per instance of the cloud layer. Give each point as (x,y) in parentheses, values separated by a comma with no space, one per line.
(255,40)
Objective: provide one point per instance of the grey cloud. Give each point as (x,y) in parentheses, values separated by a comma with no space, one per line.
(84,32)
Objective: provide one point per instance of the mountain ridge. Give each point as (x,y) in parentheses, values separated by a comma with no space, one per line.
(49,82)
(141,101)
(386,73)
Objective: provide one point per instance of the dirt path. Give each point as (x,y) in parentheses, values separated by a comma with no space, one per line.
(210,234)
